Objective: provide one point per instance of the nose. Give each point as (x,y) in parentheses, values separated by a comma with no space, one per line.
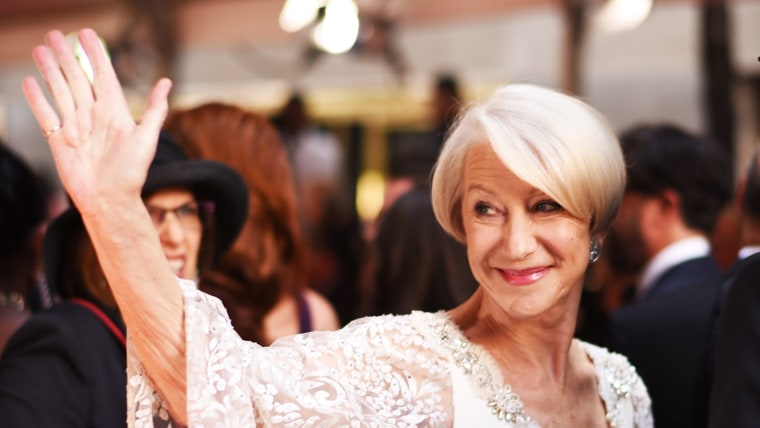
(519,238)
(171,231)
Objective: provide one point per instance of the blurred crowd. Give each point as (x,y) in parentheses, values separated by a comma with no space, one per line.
(665,291)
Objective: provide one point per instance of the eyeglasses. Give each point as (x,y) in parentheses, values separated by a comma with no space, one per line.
(186,214)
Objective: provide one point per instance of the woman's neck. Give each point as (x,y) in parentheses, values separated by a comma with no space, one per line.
(538,346)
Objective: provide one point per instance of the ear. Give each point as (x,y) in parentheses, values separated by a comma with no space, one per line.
(669,202)
(659,213)
(599,238)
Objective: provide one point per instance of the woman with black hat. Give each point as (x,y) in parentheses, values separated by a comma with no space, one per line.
(66,366)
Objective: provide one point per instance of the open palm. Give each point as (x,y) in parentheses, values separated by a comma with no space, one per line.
(99,150)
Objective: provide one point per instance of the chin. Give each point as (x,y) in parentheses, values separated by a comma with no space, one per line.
(528,307)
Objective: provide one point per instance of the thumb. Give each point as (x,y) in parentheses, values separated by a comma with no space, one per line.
(158,107)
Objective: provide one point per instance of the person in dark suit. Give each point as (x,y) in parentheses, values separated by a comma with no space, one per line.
(66,366)
(735,393)
(733,348)
(22,214)
(677,185)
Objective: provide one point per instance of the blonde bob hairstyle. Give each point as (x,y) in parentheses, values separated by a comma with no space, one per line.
(554,142)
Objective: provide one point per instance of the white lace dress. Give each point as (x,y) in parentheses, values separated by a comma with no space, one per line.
(414,370)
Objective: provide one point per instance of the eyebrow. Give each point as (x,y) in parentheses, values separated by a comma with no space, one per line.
(532,193)
(480,187)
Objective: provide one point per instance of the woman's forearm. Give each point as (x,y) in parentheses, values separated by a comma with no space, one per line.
(146,291)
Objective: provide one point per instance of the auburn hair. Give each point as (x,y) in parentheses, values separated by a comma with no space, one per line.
(268,256)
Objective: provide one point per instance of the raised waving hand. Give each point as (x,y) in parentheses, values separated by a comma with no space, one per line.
(102,156)
(97,146)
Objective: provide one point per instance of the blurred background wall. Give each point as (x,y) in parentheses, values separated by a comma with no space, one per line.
(694,63)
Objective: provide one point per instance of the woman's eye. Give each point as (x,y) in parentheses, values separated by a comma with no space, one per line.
(482,209)
(548,206)
(187,210)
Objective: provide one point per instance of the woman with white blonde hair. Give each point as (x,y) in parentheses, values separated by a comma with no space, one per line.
(530,180)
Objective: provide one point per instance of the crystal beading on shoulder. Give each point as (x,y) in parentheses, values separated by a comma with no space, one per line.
(502,401)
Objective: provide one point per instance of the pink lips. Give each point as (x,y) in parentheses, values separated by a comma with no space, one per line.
(523,277)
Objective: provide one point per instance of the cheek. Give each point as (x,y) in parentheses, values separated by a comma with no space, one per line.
(193,243)
(481,240)
(192,247)
(570,243)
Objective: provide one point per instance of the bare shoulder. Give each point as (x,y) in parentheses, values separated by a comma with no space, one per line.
(323,315)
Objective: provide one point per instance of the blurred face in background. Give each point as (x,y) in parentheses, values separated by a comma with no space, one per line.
(175,215)
(625,247)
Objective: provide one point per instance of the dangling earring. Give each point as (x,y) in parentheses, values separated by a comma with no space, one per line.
(595,251)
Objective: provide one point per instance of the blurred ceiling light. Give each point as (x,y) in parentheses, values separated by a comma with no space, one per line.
(297,14)
(621,15)
(336,33)
(370,191)
(81,55)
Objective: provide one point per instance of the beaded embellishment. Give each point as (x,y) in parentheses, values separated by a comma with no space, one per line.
(504,403)
(621,379)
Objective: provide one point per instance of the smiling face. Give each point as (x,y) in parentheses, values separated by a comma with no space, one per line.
(176,219)
(528,253)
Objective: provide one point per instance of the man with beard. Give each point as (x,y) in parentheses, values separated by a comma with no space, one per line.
(677,185)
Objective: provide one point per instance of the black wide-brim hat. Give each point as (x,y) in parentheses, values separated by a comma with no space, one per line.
(210,181)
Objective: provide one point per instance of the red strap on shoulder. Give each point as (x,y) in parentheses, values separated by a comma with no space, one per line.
(103,317)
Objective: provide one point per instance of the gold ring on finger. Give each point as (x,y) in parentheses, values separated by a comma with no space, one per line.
(53,130)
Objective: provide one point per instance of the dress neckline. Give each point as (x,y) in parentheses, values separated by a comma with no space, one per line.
(614,381)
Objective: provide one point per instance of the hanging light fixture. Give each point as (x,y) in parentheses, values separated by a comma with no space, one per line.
(337,31)
(621,15)
(297,14)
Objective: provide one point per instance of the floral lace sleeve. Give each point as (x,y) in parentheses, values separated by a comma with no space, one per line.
(375,372)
